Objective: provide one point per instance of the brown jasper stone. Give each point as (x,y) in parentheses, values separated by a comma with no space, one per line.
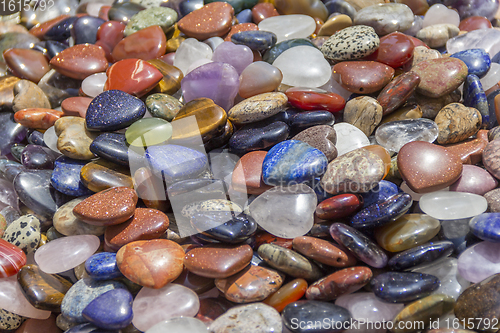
(32,325)
(362,77)
(37,118)
(80,61)
(339,206)
(336,23)
(456,122)
(342,282)
(407,111)
(493,199)
(198,284)
(321,137)
(431,106)
(29,95)
(474,23)
(147,223)
(76,106)
(253,284)
(239,28)
(427,167)
(469,151)
(263,10)
(26,63)
(247,174)
(113,206)
(266,238)
(364,112)
(40,29)
(439,77)
(7,84)
(321,250)
(212,308)
(212,20)
(151,263)
(398,91)
(218,261)
(479,302)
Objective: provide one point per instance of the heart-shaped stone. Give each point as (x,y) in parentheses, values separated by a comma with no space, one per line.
(457,122)
(286,212)
(212,20)
(80,61)
(439,77)
(29,95)
(151,263)
(239,56)
(133,76)
(427,167)
(26,64)
(111,310)
(73,138)
(439,14)
(66,177)
(362,77)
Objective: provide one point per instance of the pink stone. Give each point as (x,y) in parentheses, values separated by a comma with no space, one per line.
(12,299)
(474,180)
(70,252)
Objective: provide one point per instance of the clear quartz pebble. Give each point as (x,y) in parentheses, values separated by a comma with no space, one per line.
(93,85)
(179,325)
(440,14)
(492,77)
(414,195)
(190,51)
(289,26)
(349,138)
(285,211)
(50,139)
(444,205)
(479,261)
(487,39)
(395,134)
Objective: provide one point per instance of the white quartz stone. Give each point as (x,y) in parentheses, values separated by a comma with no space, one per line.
(492,76)
(444,205)
(487,39)
(289,26)
(349,138)
(179,325)
(190,51)
(93,85)
(395,134)
(440,14)
(479,261)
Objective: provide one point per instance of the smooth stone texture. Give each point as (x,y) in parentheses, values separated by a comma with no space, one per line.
(239,56)
(37,157)
(439,13)
(485,227)
(439,77)
(474,180)
(225,226)
(24,233)
(66,177)
(423,177)
(37,118)
(259,77)
(289,262)
(12,132)
(26,64)
(110,310)
(381,213)
(163,106)
(93,85)
(28,95)
(396,287)
(172,76)
(311,312)
(247,174)
(146,44)
(457,122)
(113,110)
(385,18)
(13,300)
(102,266)
(189,52)
(133,76)
(212,20)
(349,138)
(270,55)
(112,147)
(248,318)
(421,255)
(407,131)
(75,250)
(321,250)
(362,77)
(381,192)
(9,320)
(258,107)
(437,35)
(395,49)
(452,205)
(343,175)
(148,132)
(469,151)
(364,112)
(493,199)
(80,61)
(43,291)
(289,293)
(479,261)
(85,29)
(312,99)
(321,137)
(477,60)
(82,293)
(360,246)
(300,121)
(303,66)
(66,223)
(289,26)
(160,16)
(351,43)
(255,40)
(490,159)
(12,259)
(339,206)
(475,97)
(179,324)
(100,175)
(295,219)
(34,190)
(152,306)
(73,139)
(397,92)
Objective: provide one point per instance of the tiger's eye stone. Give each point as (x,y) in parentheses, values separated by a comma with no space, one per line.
(7,84)
(100,175)
(145,44)
(289,293)
(172,76)
(212,20)
(26,64)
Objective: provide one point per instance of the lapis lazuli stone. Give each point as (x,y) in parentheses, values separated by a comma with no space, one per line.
(112,147)
(66,177)
(403,287)
(110,310)
(255,40)
(477,60)
(302,120)
(245,16)
(486,226)
(379,193)
(422,254)
(62,30)
(53,47)
(225,226)
(475,97)
(491,107)
(102,266)
(305,316)
(113,110)
(293,161)
(382,212)
(258,136)
(85,28)
(175,162)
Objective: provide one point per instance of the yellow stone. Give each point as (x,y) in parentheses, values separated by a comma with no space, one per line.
(7,84)
(100,175)
(408,111)
(336,23)
(174,43)
(313,8)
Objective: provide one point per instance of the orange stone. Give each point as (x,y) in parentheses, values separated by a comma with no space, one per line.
(362,77)
(151,263)
(383,154)
(267,238)
(37,118)
(289,293)
(212,20)
(80,61)
(247,173)
(145,44)
(76,106)
(322,251)
(469,151)
(26,64)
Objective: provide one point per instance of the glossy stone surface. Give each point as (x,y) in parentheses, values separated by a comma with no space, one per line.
(351,43)
(133,76)
(247,174)
(422,254)
(163,106)
(13,300)
(73,250)
(26,64)
(251,317)
(66,223)
(490,158)
(110,310)
(311,100)
(37,117)
(225,226)
(257,108)
(445,205)
(260,135)
(339,206)
(484,226)
(73,139)
(321,137)
(102,266)
(398,91)
(474,180)
(349,138)
(474,23)
(289,26)
(408,131)
(395,287)
(12,258)
(364,112)
(80,61)
(362,77)
(457,122)
(211,20)
(310,312)
(439,77)
(271,54)
(100,175)
(479,262)
(112,147)
(66,177)
(259,77)
(84,30)
(360,246)
(321,251)
(28,95)
(477,61)
(33,189)
(381,213)
(146,44)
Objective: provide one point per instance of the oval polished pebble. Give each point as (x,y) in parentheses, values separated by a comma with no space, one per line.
(80,61)
(398,91)
(247,173)
(148,132)
(351,43)
(212,20)
(362,77)
(312,100)
(259,135)
(399,287)
(112,147)
(99,312)
(339,206)
(24,232)
(310,312)
(102,266)
(37,117)
(12,259)
(225,226)
(422,254)
(385,18)
(259,77)
(248,318)
(73,139)
(145,44)
(26,64)
(445,205)
(485,227)
(474,180)
(13,300)
(364,112)
(100,175)
(322,251)
(381,213)
(257,108)
(457,122)
(321,137)
(66,177)
(288,293)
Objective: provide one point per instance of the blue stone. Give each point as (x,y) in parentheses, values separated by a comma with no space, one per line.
(66,177)
(102,266)
(477,60)
(486,226)
(89,328)
(379,193)
(340,6)
(34,190)
(302,120)
(225,226)
(255,40)
(10,132)
(458,232)
(284,116)
(382,212)
(113,110)
(111,310)
(292,162)
(36,138)
(309,314)
(245,16)
(422,254)
(175,162)
(62,30)
(475,97)
(85,28)
(496,58)
(82,293)
(53,47)
(188,6)
(258,136)
(112,147)
(403,287)
(281,47)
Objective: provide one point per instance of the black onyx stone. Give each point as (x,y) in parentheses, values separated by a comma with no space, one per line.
(224,226)
(122,12)
(113,110)
(112,147)
(403,287)
(85,28)
(383,212)
(62,30)
(315,317)
(421,255)
(302,120)
(53,47)
(258,136)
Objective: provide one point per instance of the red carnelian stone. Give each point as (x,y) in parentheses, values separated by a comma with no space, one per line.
(313,100)
(395,49)
(474,23)
(108,35)
(339,206)
(12,259)
(145,44)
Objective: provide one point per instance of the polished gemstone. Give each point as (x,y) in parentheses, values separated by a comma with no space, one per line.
(80,61)
(339,206)
(12,258)
(211,20)
(383,212)
(146,44)
(66,177)
(439,77)
(399,287)
(362,77)
(26,64)
(73,139)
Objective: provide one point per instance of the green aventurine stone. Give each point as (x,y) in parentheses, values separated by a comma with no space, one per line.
(148,132)
(238,5)
(163,106)
(161,16)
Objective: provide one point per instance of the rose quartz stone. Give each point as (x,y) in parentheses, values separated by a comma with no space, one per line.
(12,299)
(474,180)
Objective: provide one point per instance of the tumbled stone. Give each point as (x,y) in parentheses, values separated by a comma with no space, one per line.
(362,77)
(349,138)
(421,255)
(248,318)
(474,180)
(145,44)
(310,312)
(335,24)
(247,174)
(439,77)
(399,287)
(212,20)
(68,224)
(289,26)
(80,61)
(351,43)
(321,251)
(24,233)
(457,122)
(407,131)
(364,112)
(437,35)
(385,18)
(163,106)
(12,259)
(289,293)
(9,320)
(257,108)
(73,138)
(119,315)
(161,16)
(448,205)
(321,137)
(37,118)
(172,76)
(490,158)
(257,78)
(493,199)
(28,95)
(398,91)
(26,64)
